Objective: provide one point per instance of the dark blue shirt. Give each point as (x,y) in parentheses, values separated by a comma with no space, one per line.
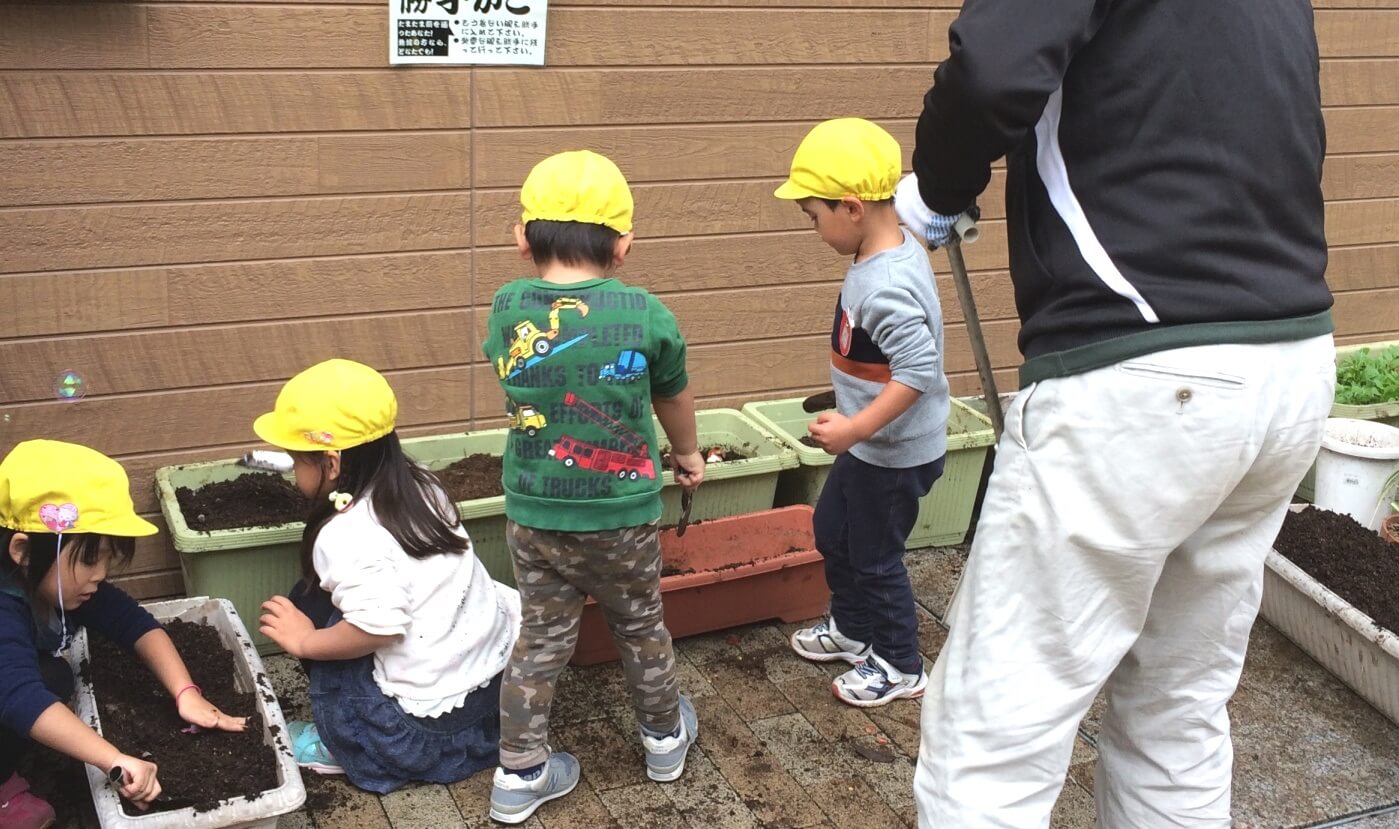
(23,696)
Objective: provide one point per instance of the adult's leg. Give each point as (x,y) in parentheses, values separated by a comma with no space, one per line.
(1165,752)
(1099,477)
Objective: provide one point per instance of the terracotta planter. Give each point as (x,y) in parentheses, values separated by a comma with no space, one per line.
(736,570)
(1389,529)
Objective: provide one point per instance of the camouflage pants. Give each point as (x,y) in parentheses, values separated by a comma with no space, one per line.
(556,572)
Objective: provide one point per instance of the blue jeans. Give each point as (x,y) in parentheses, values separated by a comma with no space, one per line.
(862,523)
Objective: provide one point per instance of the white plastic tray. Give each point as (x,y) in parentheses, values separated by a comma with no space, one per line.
(239,812)
(1345,641)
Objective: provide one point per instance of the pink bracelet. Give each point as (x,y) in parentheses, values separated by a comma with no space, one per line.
(181,692)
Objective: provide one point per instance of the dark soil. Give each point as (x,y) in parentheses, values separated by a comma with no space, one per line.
(1351,561)
(725,451)
(808,440)
(472,477)
(254,499)
(139,718)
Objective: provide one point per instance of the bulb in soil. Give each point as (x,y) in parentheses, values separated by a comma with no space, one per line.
(70,385)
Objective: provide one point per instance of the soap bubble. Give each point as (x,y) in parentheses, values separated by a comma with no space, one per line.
(70,386)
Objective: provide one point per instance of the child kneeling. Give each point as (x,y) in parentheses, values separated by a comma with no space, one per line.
(402,631)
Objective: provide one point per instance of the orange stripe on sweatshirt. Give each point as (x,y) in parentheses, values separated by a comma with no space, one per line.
(873,372)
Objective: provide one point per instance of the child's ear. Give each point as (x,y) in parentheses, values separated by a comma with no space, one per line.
(521,243)
(332,465)
(855,206)
(19,549)
(621,248)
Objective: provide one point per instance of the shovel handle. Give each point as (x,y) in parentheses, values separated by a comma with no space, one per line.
(965,230)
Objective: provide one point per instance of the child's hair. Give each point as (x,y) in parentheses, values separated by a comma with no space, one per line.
(42,549)
(571,243)
(834,203)
(409,501)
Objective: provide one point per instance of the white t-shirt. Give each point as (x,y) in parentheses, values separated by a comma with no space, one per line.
(456,625)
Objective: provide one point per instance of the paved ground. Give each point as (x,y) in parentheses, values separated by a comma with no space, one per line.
(776,750)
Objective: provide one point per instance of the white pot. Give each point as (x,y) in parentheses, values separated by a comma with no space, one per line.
(1357,458)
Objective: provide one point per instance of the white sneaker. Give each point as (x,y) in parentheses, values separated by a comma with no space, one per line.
(823,643)
(875,682)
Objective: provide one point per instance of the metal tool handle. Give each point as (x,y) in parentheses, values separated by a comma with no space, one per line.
(965,230)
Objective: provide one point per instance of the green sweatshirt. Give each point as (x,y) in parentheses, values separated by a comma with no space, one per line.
(579,365)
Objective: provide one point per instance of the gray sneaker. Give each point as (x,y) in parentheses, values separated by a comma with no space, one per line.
(665,756)
(514,799)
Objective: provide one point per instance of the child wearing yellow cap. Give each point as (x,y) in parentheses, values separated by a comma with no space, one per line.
(888,432)
(66,518)
(583,360)
(402,632)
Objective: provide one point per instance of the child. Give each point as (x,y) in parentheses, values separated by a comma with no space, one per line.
(582,470)
(889,431)
(400,628)
(65,517)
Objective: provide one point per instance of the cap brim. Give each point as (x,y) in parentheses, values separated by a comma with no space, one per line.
(270,429)
(792,192)
(130,525)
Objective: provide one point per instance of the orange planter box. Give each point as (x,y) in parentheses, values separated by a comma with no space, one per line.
(728,571)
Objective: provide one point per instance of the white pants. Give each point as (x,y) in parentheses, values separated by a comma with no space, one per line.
(1121,543)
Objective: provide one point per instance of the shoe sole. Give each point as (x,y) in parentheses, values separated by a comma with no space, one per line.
(845,656)
(875,703)
(321,768)
(521,817)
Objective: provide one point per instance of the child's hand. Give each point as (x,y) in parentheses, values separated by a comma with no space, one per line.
(284,624)
(196,710)
(139,784)
(834,432)
(689,469)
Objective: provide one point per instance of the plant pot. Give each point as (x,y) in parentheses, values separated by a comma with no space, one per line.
(732,487)
(944,514)
(1329,629)
(248,565)
(739,569)
(1355,469)
(236,813)
(1389,529)
(1387,413)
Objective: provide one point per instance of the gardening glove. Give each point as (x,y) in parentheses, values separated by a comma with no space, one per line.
(138,781)
(689,469)
(933,228)
(198,711)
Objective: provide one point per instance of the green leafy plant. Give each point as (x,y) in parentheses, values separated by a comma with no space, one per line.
(1366,377)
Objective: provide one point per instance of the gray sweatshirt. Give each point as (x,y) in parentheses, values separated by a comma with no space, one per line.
(888,326)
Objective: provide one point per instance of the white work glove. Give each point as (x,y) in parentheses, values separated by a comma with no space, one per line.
(933,228)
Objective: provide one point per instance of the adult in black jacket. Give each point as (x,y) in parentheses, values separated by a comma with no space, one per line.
(1165,224)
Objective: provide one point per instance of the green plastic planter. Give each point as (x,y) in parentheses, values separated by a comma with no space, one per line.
(943,515)
(732,487)
(1387,413)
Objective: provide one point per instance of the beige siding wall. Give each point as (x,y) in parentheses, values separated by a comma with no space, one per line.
(198,199)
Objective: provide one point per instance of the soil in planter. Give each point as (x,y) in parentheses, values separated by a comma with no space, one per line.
(254,499)
(1349,560)
(808,440)
(728,453)
(138,717)
(472,477)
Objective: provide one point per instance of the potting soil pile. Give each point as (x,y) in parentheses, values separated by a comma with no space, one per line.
(1347,559)
(472,477)
(254,499)
(138,717)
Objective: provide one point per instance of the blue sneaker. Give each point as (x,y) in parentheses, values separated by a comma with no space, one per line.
(514,798)
(665,756)
(308,750)
(875,682)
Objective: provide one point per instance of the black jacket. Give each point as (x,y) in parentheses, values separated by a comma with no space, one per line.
(1164,169)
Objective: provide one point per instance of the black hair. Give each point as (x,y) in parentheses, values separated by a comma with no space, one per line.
(571,243)
(834,203)
(409,501)
(42,552)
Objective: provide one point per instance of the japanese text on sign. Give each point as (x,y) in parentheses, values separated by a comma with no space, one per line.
(492,32)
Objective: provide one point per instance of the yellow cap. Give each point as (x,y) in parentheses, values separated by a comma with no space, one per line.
(48,486)
(337,404)
(577,186)
(844,157)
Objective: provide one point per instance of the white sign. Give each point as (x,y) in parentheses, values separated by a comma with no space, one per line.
(491,32)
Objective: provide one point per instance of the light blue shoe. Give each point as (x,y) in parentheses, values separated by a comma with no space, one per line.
(308,750)
(665,756)
(514,799)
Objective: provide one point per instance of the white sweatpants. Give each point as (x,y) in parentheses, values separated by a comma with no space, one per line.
(1121,542)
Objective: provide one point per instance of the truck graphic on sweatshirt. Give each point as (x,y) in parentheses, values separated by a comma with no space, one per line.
(630,365)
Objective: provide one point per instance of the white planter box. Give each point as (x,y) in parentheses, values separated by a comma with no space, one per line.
(1330,630)
(240,812)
